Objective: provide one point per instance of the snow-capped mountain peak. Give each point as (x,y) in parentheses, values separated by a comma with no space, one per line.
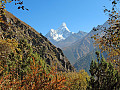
(63,28)
(60,34)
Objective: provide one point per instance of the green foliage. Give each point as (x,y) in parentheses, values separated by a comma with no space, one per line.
(103,75)
(6,47)
(22,67)
(26,70)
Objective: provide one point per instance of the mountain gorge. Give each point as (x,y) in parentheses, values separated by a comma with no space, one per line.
(40,44)
(83,50)
(84,61)
(77,47)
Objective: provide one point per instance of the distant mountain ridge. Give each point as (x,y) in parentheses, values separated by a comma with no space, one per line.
(84,45)
(79,48)
(81,53)
(63,37)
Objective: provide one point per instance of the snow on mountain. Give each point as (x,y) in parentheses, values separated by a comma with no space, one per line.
(60,34)
(57,37)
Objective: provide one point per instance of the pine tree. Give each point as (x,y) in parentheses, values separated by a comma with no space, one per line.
(103,75)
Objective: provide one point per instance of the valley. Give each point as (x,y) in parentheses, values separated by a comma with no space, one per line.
(76,46)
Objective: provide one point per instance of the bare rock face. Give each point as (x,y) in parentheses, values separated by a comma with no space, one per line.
(39,43)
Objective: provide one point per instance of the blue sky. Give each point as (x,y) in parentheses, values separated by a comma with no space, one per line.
(44,15)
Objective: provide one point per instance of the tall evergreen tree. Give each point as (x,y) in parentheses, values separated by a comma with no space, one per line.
(103,75)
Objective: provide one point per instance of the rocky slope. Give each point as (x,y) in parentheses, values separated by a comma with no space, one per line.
(39,43)
(79,48)
(84,45)
(85,61)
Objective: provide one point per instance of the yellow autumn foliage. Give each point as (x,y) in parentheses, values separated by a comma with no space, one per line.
(77,80)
